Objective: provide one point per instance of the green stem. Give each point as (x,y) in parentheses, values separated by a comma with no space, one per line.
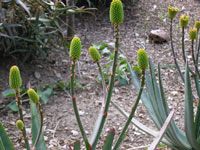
(88,146)
(173,53)
(19,103)
(41,124)
(183,44)
(121,137)
(194,61)
(198,49)
(103,83)
(110,88)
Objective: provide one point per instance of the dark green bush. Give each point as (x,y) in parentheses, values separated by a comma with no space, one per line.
(33,27)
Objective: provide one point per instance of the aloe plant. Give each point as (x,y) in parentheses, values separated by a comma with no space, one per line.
(154,98)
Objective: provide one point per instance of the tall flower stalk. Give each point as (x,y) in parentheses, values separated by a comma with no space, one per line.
(143,65)
(116,18)
(15,83)
(75,52)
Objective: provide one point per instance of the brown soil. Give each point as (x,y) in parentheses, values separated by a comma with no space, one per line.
(60,126)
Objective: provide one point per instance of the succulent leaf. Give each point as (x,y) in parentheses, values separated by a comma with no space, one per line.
(33,95)
(183,21)
(19,124)
(116,12)
(109,139)
(94,54)
(142,59)
(193,34)
(197,24)
(172,11)
(15,78)
(5,140)
(75,48)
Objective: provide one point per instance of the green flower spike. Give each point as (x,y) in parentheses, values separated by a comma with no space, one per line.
(183,21)
(75,48)
(33,95)
(15,78)
(172,11)
(94,54)
(193,34)
(142,59)
(19,124)
(197,25)
(116,12)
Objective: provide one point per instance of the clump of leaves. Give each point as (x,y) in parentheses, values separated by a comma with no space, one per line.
(121,71)
(33,27)
(43,91)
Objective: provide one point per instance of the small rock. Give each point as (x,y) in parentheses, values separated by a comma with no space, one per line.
(37,75)
(74,132)
(58,75)
(81,113)
(159,36)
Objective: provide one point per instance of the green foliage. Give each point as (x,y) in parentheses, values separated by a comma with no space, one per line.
(5,142)
(45,94)
(109,140)
(75,51)
(35,127)
(33,28)
(106,51)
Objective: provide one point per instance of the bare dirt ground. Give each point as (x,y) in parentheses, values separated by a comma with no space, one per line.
(60,127)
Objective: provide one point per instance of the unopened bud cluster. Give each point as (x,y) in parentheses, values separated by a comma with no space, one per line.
(33,96)
(116,12)
(184,20)
(75,48)
(193,34)
(197,25)
(94,54)
(172,11)
(15,78)
(19,124)
(142,59)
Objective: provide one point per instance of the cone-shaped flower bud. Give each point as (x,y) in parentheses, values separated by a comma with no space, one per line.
(197,24)
(19,124)
(142,59)
(183,21)
(94,54)
(15,78)
(33,96)
(116,12)
(172,11)
(75,48)
(193,34)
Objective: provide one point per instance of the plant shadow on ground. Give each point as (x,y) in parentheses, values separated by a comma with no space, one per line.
(60,126)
